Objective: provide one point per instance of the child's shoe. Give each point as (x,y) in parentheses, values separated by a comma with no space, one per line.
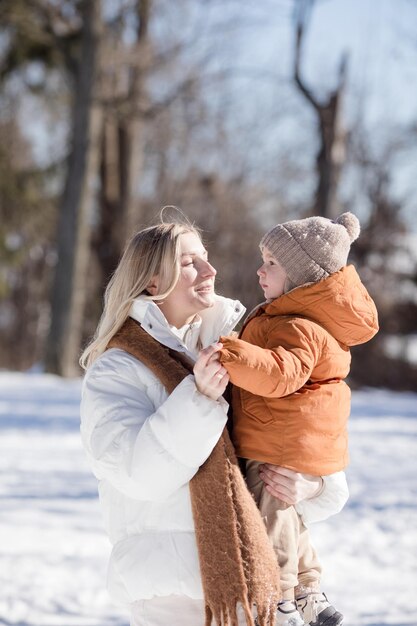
(288,615)
(316,610)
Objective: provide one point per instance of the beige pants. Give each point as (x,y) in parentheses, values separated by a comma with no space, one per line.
(172,611)
(296,556)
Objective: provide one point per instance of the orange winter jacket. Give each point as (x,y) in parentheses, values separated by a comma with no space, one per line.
(290,402)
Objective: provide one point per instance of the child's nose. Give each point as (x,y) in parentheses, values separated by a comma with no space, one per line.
(260,271)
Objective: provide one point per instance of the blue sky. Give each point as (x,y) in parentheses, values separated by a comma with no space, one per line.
(381,42)
(382,77)
(378,35)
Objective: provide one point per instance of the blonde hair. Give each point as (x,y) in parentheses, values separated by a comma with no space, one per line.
(154,251)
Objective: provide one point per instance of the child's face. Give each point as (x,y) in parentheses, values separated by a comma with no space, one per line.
(272,276)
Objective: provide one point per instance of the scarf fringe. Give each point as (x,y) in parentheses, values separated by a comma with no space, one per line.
(225,615)
(267,616)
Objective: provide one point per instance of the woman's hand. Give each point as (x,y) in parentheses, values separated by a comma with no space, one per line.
(211,377)
(289,486)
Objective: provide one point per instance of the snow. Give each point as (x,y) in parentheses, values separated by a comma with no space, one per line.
(53,549)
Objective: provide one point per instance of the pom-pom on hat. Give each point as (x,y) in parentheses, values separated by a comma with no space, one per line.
(312,248)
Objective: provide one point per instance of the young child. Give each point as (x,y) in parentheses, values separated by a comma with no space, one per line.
(290,402)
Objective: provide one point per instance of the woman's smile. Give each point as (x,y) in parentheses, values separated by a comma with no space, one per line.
(206,288)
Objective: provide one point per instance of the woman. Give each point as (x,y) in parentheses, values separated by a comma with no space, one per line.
(187,544)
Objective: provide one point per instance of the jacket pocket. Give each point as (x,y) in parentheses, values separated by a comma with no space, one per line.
(255,407)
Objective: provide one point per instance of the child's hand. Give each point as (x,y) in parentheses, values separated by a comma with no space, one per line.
(289,486)
(211,377)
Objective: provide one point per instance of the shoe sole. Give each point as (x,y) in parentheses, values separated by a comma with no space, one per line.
(328,617)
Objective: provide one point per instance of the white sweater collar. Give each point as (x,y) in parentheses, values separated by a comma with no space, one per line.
(209,325)
(189,334)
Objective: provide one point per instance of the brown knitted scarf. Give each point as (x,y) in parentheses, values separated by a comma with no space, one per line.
(237,562)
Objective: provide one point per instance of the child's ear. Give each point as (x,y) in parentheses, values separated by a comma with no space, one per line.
(152,286)
(289,285)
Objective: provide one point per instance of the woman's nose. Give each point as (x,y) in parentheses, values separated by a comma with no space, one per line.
(208,269)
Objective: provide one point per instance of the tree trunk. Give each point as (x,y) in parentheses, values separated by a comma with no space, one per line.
(108,235)
(123,150)
(134,146)
(331,155)
(75,217)
(133,126)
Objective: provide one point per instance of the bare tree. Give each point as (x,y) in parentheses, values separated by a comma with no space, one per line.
(123,140)
(385,260)
(332,152)
(75,215)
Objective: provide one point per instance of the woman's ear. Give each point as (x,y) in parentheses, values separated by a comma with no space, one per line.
(152,286)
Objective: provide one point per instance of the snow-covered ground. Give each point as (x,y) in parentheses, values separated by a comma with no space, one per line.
(53,549)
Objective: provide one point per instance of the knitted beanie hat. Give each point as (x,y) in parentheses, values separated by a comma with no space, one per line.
(312,248)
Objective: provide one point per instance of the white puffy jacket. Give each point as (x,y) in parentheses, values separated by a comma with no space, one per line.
(145,446)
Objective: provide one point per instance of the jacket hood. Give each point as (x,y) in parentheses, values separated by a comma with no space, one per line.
(339,303)
(220,319)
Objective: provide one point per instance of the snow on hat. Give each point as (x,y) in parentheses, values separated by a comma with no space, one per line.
(311,249)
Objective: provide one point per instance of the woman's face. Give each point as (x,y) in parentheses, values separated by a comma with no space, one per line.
(272,276)
(194,290)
